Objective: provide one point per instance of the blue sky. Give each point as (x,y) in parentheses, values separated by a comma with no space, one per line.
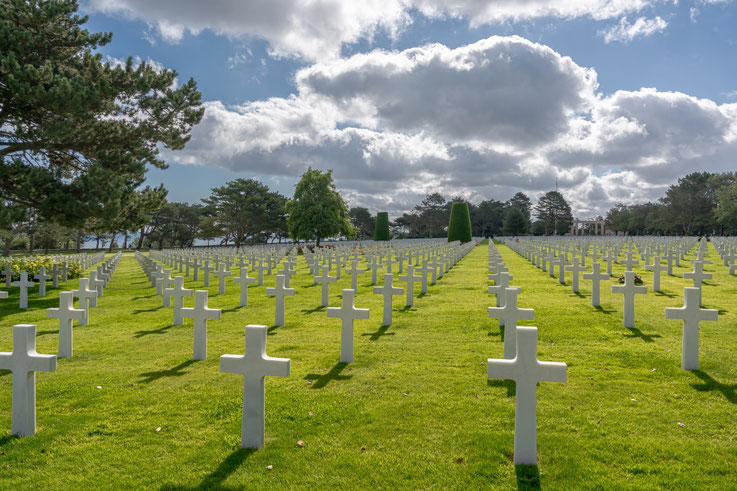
(291,83)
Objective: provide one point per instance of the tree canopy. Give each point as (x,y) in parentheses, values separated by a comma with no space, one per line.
(246,210)
(77,133)
(317,210)
(554,213)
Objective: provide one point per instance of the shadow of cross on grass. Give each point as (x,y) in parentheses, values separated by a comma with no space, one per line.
(215,479)
(376,335)
(710,384)
(528,477)
(149,377)
(333,374)
(636,333)
(161,330)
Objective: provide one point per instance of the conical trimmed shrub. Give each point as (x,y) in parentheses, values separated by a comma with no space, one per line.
(459,227)
(381,232)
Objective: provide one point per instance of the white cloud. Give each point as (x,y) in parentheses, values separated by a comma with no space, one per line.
(317,29)
(504,90)
(625,32)
(484,120)
(307,28)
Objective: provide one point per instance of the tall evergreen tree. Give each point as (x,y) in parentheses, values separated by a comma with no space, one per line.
(554,213)
(77,134)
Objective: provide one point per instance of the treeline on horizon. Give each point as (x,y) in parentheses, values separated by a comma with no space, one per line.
(245,211)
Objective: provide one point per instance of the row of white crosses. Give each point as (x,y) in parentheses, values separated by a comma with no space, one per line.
(24,361)
(24,282)
(519,362)
(691,313)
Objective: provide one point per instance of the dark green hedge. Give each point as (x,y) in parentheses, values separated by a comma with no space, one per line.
(459,227)
(381,232)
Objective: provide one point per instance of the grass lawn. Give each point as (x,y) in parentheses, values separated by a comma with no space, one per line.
(132,410)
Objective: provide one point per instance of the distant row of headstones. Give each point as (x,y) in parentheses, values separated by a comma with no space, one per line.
(24,361)
(437,259)
(520,362)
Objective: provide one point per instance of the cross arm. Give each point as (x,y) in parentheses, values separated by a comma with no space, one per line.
(42,363)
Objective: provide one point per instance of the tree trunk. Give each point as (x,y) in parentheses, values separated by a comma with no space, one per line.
(30,245)
(6,247)
(125,240)
(78,240)
(97,245)
(140,239)
(112,241)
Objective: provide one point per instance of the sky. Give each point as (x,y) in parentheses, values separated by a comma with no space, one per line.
(613,99)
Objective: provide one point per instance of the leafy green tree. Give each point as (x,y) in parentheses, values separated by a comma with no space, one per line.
(381,231)
(209,229)
(317,210)
(362,221)
(554,212)
(459,224)
(433,213)
(13,219)
(522,202)
(77,134)
(245,210)
(691,203)
(489,218)
(515,222)
(726,209)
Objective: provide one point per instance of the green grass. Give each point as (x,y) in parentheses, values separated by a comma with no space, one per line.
(414,411)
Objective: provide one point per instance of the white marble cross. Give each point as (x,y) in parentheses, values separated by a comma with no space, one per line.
(595,276)
(424,271)
(697,275)
(64,271)
(656,267)
(575,269)
(561,264)
(325,279)
(501,281)
(255,365)
(691,313)
(42,277)
(84,294)
(508,316)
(410,278)
(388,290)
(629,290)
(24,362)
(221,273)
(24,284)
(526,371)
(347,313)
(178,292)
(206,269)
(280,291)
(261,268)
(354,271)
(630,261)
(200,313)
(66,313)
(96,284)
(8,273)
(244,280)
(55,276)
(609,258)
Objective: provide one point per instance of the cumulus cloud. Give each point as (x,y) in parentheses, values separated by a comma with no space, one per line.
(306,28)
(504,90)
(317,29)
(626,31)
(484,121)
